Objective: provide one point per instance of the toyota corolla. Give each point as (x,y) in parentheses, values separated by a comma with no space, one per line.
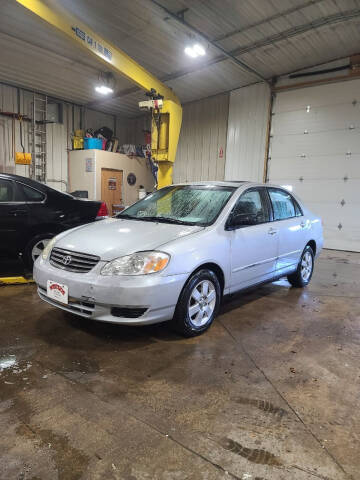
(173,255)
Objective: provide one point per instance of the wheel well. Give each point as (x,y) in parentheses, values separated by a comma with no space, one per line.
(40,229)
(312,244)
(216,269)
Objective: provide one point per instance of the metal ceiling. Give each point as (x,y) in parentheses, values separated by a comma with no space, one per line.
(271,37)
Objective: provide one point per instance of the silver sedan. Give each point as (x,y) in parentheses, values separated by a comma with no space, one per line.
(174,254)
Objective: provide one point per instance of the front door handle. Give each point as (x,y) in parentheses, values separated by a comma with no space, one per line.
(272,231)
(302,224)
(18,212)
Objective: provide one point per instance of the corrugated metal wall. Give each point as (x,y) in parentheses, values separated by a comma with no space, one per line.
(131,130)
(17,100)
(95,120)
(246,136)
(202,145)
(11,102)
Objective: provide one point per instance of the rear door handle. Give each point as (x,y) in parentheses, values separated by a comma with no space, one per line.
(272,231)
(18,212)
(302,224)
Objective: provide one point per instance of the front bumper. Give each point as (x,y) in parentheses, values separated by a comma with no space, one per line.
(94,296)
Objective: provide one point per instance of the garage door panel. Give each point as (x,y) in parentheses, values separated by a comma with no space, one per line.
(317,168)
(331,117)
(341,228)
(348,238)
(327,191)
(334,215)
(316,144)
(322,165)
(318,96)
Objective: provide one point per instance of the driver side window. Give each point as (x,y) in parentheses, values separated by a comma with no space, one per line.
(251,208)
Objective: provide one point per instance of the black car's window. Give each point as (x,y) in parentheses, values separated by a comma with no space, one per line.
(252,203)
(283,204)
(6,191)
(30,194)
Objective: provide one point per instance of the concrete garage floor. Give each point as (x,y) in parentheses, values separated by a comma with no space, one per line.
(272,391)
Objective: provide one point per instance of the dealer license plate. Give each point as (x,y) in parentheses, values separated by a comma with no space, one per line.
(58,291)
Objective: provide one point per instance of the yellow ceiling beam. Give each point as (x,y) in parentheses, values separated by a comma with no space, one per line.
(113,57)
(118,61)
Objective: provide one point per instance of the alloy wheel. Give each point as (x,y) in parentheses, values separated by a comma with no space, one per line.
(202,303)
(38,248)
(306,266)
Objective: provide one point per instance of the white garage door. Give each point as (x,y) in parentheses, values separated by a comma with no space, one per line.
(315,148)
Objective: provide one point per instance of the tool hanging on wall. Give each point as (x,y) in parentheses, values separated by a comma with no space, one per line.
(22,158)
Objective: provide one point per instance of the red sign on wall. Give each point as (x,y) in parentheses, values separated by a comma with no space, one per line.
(221,152)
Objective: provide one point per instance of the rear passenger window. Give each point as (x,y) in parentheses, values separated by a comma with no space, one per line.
(30,194)
(282,203)
(6,191)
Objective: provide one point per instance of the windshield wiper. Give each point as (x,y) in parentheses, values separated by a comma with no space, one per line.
(174,220)
(164,220)
(156,219)
(125,215)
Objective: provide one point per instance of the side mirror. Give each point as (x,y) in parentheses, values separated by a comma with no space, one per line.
(241,220)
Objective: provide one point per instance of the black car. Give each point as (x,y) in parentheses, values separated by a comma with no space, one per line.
(31,213)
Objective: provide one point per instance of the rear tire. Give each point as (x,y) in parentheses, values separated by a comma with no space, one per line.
(35,247)
(198,304)
(305,269)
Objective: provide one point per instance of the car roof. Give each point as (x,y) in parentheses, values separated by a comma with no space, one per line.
(235,184)
(30,182)
(228,183)
(231,183)
(26,180)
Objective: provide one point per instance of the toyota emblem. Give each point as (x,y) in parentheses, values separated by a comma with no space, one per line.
(66,260)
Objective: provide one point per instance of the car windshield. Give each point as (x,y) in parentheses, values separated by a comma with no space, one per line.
(181,204)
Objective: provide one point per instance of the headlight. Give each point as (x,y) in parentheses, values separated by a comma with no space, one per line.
(48,248)
(140,263)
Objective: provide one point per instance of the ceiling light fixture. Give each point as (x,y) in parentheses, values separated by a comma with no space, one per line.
(196,50)
(106,83)
(103,89)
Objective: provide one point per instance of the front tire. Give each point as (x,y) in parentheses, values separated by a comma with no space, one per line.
(198,304)
(305,269)
(35,247)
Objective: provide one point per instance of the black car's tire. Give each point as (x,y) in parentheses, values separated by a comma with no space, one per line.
(198,304)
(305,269)
(34,248)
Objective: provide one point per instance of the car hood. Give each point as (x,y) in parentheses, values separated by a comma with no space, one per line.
(112,238)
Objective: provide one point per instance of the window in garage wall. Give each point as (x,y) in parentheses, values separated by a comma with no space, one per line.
(202,143)
(315,148)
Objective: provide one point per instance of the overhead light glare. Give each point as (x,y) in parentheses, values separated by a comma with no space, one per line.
(288,187)
(195,51)
(189,51)
(199,49)
(103,89)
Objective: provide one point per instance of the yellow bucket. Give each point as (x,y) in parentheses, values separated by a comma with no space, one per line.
(78,143)
(22,158)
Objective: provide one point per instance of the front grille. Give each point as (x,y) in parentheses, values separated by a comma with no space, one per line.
(127,312)
(73,261)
